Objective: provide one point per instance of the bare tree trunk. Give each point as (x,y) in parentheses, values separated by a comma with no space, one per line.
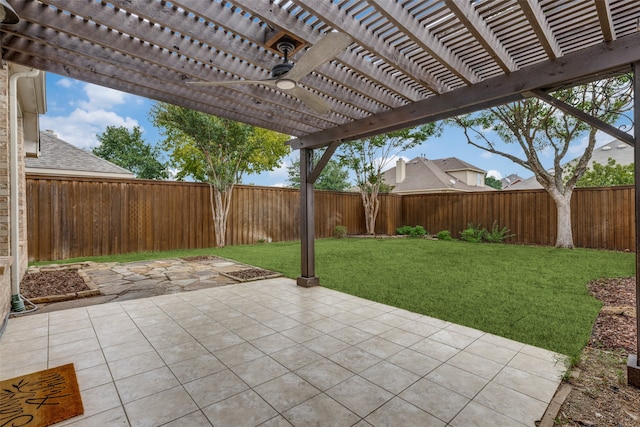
(220,203)
(564,236)
(371,206)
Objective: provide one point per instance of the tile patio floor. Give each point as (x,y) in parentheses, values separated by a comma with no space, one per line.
(271,353)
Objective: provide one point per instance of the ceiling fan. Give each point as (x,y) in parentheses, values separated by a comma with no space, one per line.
(286,75)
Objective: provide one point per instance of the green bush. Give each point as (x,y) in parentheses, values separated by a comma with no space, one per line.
(407,230)
(497,234)
(444,235)
(473,233)
(476,233)
(340,231)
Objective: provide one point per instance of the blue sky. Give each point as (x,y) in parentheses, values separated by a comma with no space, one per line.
(78,111)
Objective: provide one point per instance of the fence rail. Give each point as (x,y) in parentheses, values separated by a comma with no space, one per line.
(76,217)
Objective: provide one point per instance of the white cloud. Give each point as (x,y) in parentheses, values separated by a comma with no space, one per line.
(102,97)
(494,173)
(65,83)
(486,155)
(90,117)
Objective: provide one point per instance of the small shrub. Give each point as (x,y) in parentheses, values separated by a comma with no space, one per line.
(497,234)
(340,231)
(407,230)
(473,233)
(444,235)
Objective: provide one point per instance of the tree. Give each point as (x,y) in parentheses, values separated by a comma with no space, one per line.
(334,176)
(493,182)
(539,127)
(368,157)
(127,149)
(217,151)
(607,175)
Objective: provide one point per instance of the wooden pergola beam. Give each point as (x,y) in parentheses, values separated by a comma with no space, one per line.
(595,61)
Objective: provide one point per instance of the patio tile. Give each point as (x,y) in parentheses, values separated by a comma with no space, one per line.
(168,339)
(462,382)
(114,417)
(480,366)
(401,337)
(476,415)
(238,322)
(392,319)
(80,360)
(286,391)
(502,342)
(27,323)
(93,377)
(526,383)
(11,349)
(373,327)
(160,408)
(380,347)
(65,316)
(326,345)
(359,395)
(390,377)
(351,335)
(211,389)
(401,413)
(511,403)
(278,421)
(244,409)
(19,368)
(490,350)
(180,352)
(59,328)
(198,367)
(326,325)
(272,343)
(145,384)
(135,365)
(435,349)
(420,328)
(80,346)
(414,361)
(259,371)
(321,411)
(435,399)
(238,354)
(99,399)
(254,331)
(295,357)
(127,349)
(302,333)
(452,338)
(548,369)
(205,329)
(195,419)
(324,374)
(355,359)
(114,338)
(221,341)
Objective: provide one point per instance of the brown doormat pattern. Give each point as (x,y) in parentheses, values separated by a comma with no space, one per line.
(41,398)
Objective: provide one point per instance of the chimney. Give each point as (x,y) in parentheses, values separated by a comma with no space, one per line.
(401,171)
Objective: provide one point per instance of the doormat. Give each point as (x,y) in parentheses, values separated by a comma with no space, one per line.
(40,399)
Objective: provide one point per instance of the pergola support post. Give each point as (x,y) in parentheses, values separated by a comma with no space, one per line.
(633,366)
(307,225)
(308,177)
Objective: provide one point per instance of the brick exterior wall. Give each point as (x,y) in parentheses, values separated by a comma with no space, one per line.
(5,216)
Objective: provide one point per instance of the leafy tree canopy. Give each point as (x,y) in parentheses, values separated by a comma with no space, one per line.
(334,176)
(607,175)
(129,150)
(493,182)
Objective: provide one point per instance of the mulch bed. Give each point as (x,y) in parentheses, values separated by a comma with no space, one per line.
(200,258)
(46,283)
(251,274)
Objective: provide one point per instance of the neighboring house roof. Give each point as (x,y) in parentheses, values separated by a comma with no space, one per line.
(58,157)
(510,180)
(617,150)
(421,175)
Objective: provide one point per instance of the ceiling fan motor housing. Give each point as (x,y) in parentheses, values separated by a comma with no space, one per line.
(281,69)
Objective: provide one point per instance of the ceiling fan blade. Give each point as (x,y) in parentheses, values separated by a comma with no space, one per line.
(326,49)
(266,82)
(311,99)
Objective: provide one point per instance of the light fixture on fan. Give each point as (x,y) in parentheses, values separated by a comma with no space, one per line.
(7,14)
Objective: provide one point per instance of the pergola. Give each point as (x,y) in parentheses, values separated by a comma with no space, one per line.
(409,62)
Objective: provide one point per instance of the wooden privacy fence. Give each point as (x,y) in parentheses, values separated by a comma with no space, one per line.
(69,217)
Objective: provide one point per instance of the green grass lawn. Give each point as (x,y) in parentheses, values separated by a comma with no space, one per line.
(536,295)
